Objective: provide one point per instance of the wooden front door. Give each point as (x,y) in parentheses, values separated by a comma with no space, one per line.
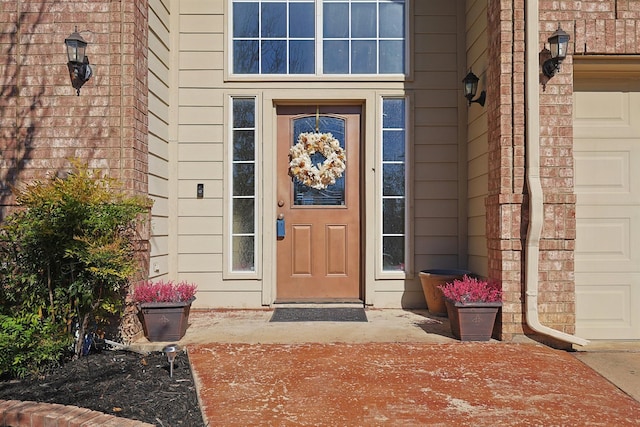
(319,253)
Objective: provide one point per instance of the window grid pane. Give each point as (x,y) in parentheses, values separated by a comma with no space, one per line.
(374,32)
(393,184)
(278,37)
(267,37)
(243,191)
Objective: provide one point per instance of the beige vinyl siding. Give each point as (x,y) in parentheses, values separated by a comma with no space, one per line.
(437,203)
(159,48)
(200,150)
(437,100)
(477,148)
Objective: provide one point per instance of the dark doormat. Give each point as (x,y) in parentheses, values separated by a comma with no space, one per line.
(344,314)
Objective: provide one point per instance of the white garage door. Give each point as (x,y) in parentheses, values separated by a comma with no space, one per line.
(607,183)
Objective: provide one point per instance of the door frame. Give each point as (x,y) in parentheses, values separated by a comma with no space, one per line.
(270,179)
(289,112)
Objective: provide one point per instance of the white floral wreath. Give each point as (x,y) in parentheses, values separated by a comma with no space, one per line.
(324,174)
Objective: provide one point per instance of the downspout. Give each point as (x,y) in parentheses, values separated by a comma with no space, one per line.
(536,203)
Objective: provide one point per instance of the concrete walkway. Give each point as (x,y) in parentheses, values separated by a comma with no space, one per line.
(618,362)
(399,368)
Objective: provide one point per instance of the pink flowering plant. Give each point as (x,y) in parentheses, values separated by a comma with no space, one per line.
(471,289)
(161,291)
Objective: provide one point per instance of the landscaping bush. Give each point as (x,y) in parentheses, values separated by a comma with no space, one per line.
(65,259)
(29,344)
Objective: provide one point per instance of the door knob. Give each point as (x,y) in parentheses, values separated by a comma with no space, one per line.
(280,203)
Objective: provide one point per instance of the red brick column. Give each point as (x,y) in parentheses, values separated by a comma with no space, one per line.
(42,121)
(506,133)
(507,203)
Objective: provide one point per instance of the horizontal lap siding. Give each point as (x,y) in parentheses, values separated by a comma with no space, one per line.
(159,74)
(437,187)
(201,154)
(477,139)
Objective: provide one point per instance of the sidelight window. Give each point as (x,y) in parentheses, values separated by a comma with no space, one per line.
(394,178)
(243,185)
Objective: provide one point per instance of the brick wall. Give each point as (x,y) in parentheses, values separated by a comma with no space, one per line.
(506,131)
(42,122)
(596,27)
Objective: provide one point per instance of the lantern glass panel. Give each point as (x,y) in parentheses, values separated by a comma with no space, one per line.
(553,47)
(563,42)
(75,49)
(558,43)
(72,51)
(81,51)
(470,88)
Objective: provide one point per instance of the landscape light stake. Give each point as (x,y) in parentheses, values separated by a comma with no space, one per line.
(171,351)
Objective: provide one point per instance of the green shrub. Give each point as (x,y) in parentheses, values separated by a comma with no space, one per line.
(67,255)
(29,345)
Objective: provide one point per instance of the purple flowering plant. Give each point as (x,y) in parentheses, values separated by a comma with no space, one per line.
(161,291)
(471,289)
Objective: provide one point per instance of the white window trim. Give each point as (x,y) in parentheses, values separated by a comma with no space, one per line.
(228,272)
(408,272)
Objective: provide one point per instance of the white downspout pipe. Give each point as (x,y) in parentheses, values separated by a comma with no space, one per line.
(536,204)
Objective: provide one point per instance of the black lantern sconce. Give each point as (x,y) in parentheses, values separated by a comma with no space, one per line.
(558,44)
(471,87)
(79,68)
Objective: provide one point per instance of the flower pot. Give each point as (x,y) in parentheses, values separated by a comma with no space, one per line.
(430,280)
(165,321)
(472,321)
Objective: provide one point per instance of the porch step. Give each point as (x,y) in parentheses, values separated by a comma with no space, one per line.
(322,303)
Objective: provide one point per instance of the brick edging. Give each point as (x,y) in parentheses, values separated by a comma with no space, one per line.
(16,413)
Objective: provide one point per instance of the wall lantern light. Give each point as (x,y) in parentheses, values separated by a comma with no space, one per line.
(79,68)
(471,87)
(558,43)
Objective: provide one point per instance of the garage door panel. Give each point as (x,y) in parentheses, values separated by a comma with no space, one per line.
(605,115)
(604,239)
(607,185)
(604,172)
(607,312)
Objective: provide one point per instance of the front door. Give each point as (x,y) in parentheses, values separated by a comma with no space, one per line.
(318,248)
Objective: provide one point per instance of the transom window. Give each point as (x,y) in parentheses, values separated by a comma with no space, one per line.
(321,37)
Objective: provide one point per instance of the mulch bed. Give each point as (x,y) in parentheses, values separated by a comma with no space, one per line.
(119,383)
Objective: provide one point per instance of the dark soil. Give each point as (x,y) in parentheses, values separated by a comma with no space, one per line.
(119,383)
